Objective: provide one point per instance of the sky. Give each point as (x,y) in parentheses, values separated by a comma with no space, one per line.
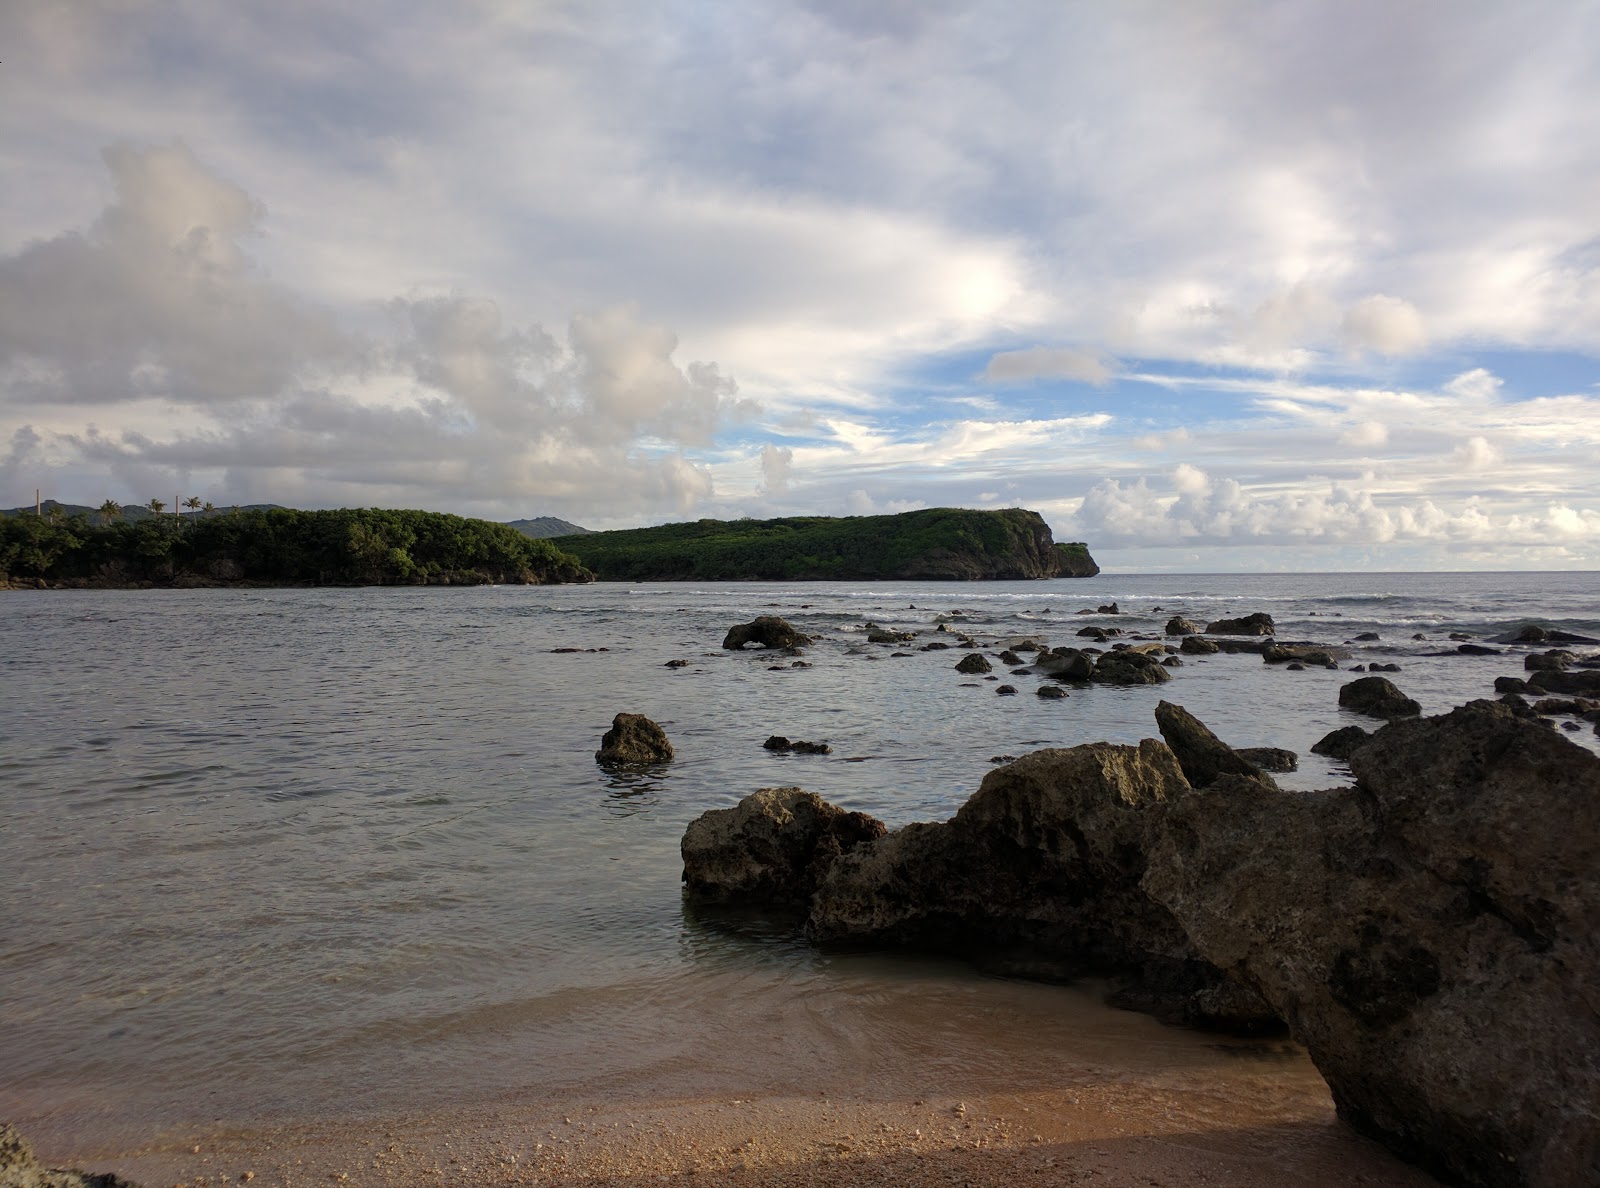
(1212,287)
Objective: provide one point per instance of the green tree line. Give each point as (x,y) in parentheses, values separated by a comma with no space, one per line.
(934,543)
(281,546)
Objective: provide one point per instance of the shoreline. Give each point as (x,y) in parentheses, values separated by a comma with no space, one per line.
(1109,1133)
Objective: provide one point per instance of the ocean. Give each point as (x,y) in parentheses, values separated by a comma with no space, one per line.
(269,855)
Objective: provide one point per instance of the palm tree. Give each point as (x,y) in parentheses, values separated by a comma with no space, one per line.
(209,507)
(156,506)
(193,504)
(55,512)
(110,510)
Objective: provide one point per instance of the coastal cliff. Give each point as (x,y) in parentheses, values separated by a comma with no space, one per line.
(934,544)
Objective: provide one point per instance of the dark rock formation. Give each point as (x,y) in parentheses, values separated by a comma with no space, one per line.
(767,630)
(1051,692)
(676,664)
(1340,743)
(1066,663)
(633,740)
(1533,633)
(1432,936)
(1383,668)
(1010,657)
(1129,668)
(1198,645)
(1259,623)
(1377,697)
(798,746)
(1319,654)
(973,663)
(771,848)
(1472,649)
(1557,659)
(1006,690)
(1270,758)
(1585,683)
(1202,755)
(1178,625)
(1042,864)
(19,1168)
(1368,636)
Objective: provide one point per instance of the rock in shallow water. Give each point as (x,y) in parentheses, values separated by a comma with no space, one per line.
(633,740)
(1377,697)
(767,630)
(1432,936)
(771,848)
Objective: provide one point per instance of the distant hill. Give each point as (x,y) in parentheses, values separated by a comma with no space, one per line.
(937,544)
(544,527)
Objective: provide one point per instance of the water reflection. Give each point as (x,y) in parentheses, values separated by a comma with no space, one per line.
(631,792)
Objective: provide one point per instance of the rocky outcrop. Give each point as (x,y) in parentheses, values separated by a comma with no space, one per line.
(771,848)
(1041,866)
(1277,759)
(1178,625)
(973,664)
(1198,645)
(1259,623)
(1129,668)
(19,1168)
(767,630)
(1432,936)
(1584,683)
(1533,633)
(1202,755)
(633,740)
(1065,663)
(1377,697)
(1322,655)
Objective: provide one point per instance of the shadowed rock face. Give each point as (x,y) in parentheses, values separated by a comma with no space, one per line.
(1042,863)
(633,740)
(1432,936)
(1259,623)
(19,1168)
(771,848)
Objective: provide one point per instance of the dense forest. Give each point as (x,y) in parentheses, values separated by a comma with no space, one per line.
(933,544)
(346,547)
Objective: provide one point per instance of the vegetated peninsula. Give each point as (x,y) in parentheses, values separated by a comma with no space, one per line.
(278,547)
(935,544)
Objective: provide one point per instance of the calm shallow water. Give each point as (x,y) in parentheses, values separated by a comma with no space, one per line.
(274,853)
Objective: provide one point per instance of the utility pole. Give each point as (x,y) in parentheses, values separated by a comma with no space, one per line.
(36,506)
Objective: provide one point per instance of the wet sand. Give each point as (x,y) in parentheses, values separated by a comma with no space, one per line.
(1268,1125)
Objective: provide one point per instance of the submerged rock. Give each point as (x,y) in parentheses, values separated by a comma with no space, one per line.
(1068,663)
(771,848)
(767,630)
(633,740)
(1432,936)
(973,663)
(1377,697)
(20,1169)
(798,746)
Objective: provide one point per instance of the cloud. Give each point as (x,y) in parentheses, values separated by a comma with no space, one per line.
(776,463)
(1385,325)
(1366,435)
(1043,363)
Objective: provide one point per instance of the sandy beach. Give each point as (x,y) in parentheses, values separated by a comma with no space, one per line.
(1270,1127)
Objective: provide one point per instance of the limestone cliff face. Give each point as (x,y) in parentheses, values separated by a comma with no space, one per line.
(934,544)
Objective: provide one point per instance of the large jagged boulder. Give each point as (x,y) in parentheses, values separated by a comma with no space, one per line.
(1040,870)
(1129,667)
(20,1169)
(770,848)
(1340,743)
(633,741)
(1198,645)
(1178,625)
(1432,936)
(1583,683)
(767,630)
(1202,755)
(973,664)
(1259,623)
(1377,697)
